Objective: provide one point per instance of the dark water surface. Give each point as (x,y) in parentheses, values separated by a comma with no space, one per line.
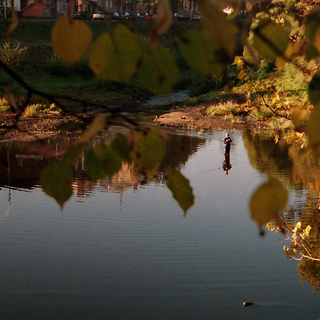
(122,250)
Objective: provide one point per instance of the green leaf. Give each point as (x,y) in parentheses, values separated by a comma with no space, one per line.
(314,89)
(101,161)
(71,39)
(96,126)
(114,56)
(222,31)
(270,39)
(158,71)
(74,153)
(199,52)
(180,188)
(56,181)
(120,146)
(149,148)
(267,200)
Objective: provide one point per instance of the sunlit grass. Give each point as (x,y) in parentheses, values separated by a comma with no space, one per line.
(4,105)
(222,109)
(34,109)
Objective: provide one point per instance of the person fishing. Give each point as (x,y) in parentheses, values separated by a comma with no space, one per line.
(227,144)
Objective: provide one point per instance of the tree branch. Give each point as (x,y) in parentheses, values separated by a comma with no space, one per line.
(274,111)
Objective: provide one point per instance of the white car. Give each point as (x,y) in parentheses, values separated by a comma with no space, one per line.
(99,16)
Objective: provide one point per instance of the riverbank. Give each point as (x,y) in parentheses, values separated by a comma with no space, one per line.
(49,124)
(196,119)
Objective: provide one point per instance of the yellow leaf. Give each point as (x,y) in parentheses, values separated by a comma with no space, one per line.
(71,39)
(267,200)
(269,121)
(276,139)
(14,21)
(241,74)
(237,60)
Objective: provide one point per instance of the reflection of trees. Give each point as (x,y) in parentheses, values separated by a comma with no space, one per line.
(310,272)
(179,149)
(22,163)
(304,237)
(265,155)
(300,171)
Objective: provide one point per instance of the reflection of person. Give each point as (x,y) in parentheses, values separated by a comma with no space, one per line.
(227,144)
(226,163)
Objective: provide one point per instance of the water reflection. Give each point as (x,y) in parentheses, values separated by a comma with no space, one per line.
(301,172)
(137,258)
(22,164)
(226,163)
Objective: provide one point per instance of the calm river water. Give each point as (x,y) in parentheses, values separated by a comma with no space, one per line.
(124,250)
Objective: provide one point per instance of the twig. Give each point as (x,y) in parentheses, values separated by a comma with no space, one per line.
(274,111)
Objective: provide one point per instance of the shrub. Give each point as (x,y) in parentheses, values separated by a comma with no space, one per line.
(4,105)
(33,109)
(12,55)
(227,108)
(56,66)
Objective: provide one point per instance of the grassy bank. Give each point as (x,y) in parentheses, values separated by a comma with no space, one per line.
(38,31)
(43,70)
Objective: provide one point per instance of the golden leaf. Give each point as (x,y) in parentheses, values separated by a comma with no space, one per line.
(71,39)
(267,200)
(241,74)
